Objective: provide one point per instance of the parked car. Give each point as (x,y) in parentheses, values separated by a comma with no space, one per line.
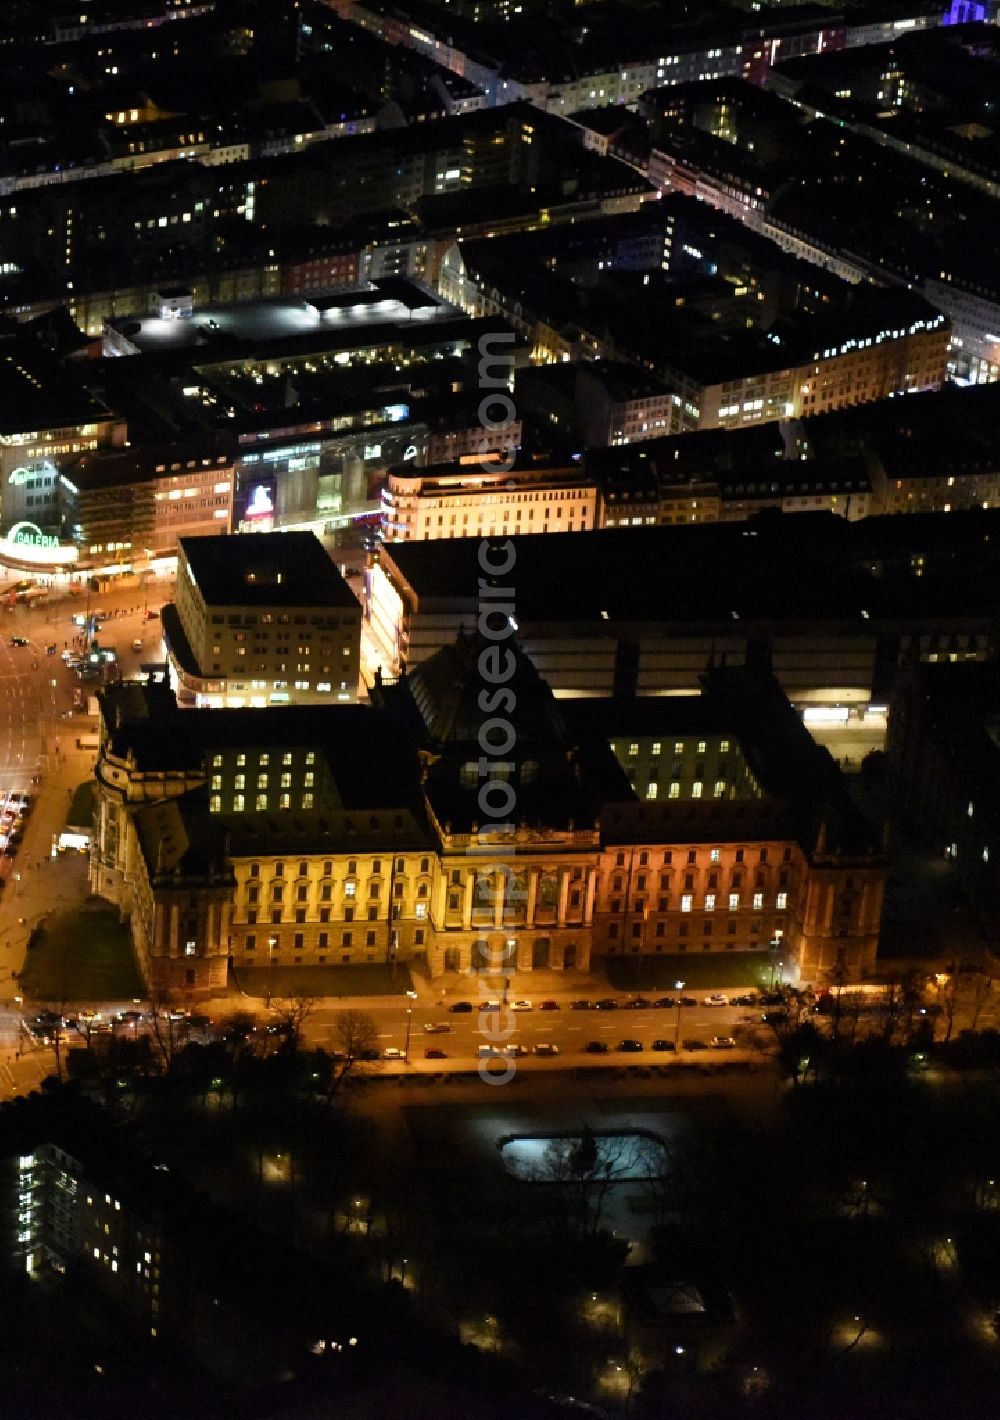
(665,1003)
(638,1003)
(393,1052)
(773,1018)
(548,1005)
(630,1047)
(688,1001)
(521,1006)
(695,1045)
(460,1007)
(486,1051)
(750,1000)
(596,1047)
(438,1028)
(723,1042)
(369,1055)
(663,1045)
(717,998)
(579,1005)
(546,1047)
(514,1050)
(19,641)
(434,1054)
(607,1004)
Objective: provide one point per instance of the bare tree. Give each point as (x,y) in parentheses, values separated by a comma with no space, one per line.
(357,1036)
(982,990)
(292,1013)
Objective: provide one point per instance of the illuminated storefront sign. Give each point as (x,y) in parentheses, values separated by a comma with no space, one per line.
(25,542)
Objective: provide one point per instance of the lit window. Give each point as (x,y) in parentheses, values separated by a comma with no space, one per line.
(702,746)
(720,788)
(734,901)
(238,802)
(261,802)
(714,855)
(696,789)
(758,900)
(421,910)
(651,791)
(971,809)
(675,790)
(686,901)
(710,902)
(633,749)
(190,948)
(656,747)
(307,801)
(679,747)
(782,901)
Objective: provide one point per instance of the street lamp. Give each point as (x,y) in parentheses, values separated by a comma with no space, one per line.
(272,942)
(679,986)
(409,1022)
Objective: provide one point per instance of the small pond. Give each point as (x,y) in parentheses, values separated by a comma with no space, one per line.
(620,1156)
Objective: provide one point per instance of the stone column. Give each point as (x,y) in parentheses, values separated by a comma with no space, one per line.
(442,904)
(533,876)
(175,917)
(501,892)
(563,895)
(588,911)
(470,887)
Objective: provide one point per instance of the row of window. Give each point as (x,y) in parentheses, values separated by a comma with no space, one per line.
(263,759)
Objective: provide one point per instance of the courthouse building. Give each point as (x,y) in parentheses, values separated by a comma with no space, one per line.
(329,836)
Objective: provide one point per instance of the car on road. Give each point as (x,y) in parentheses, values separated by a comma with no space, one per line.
(514,1050)
(461,1008)
(129,1016)
(687,1001)
(546,1047)
(774,1018)
(434,1054)
(596,1047)
(695,1045)
(486,1052)
(393,1052)
(607,1004)
(67,655)
(579,1005)
(638,1003)
(631,1047)
(19,641)
(665,1003)
(750,1000)
(489,1005)
(548,1005)
(521,1006)
(723,1042)
(663,1045)
(369,1055)
(717,998)
(438,1028)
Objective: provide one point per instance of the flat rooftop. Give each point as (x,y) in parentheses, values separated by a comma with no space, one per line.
(266,569)
(221,329)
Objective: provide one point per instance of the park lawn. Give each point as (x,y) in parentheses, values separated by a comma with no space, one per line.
(696,970)
(83,955)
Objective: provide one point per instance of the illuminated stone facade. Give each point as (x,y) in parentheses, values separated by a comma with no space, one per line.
(390,857)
